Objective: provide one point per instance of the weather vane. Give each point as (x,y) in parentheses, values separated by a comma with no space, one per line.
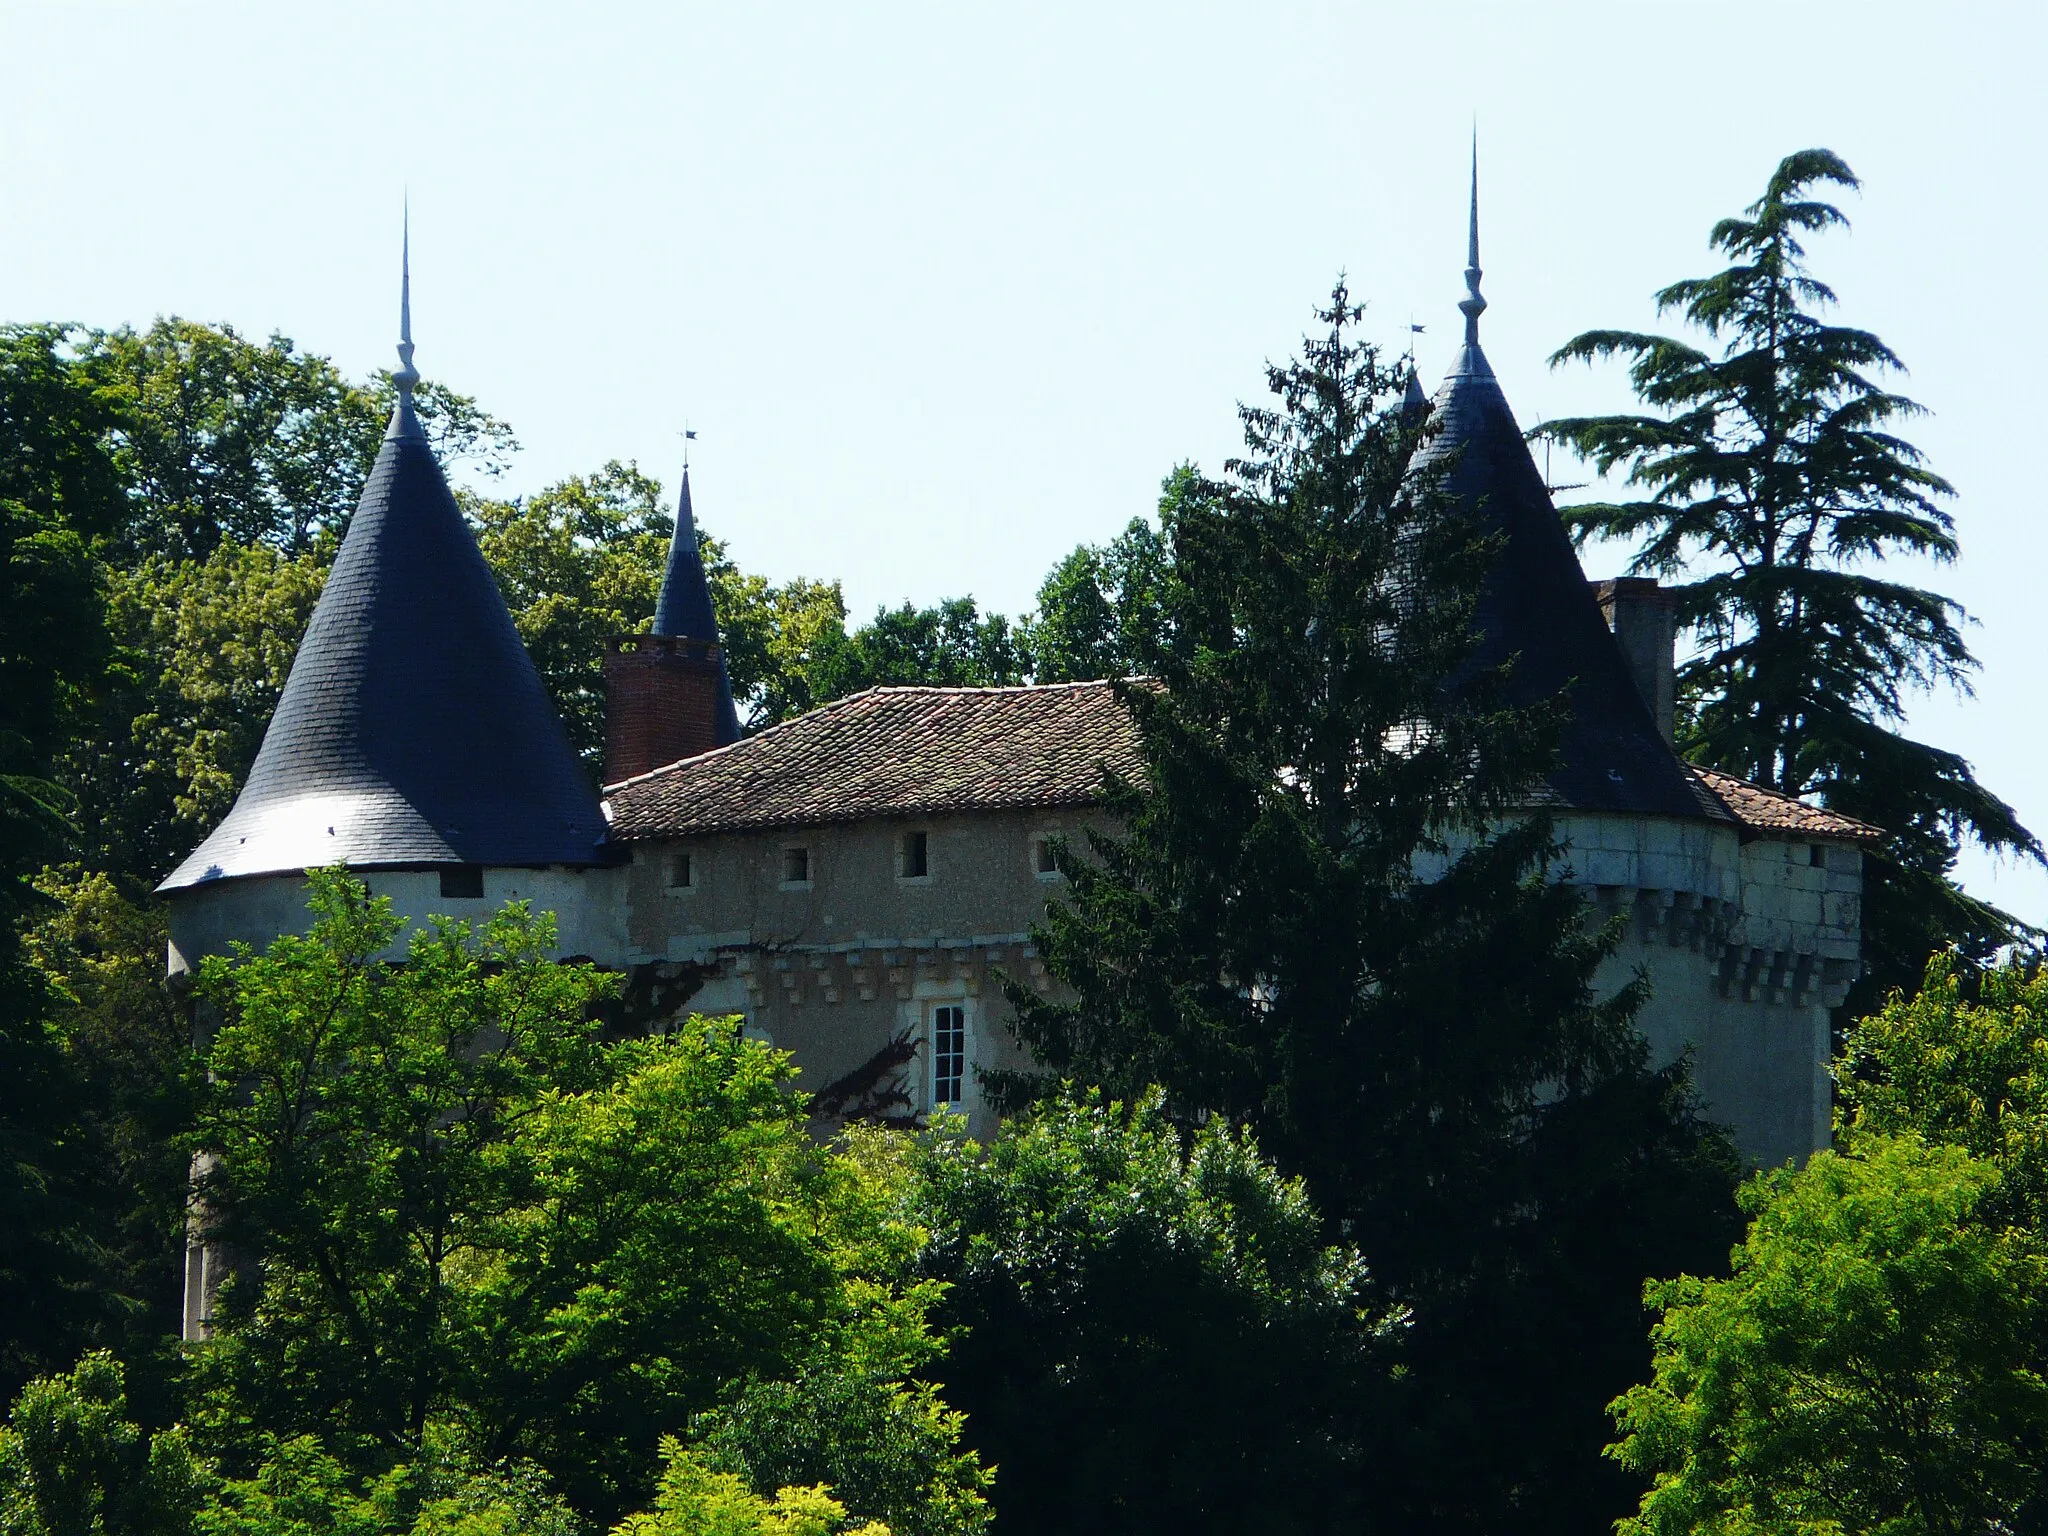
(689,437)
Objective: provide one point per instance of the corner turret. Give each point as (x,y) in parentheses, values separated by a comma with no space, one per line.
(413,730)
(667,693)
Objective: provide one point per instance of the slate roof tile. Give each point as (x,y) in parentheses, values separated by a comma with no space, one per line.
(413,728)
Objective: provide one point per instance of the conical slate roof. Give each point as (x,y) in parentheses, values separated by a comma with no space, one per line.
(684,607)
(413,728)
(1537,606)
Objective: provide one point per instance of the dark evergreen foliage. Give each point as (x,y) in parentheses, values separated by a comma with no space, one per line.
(1159,1336)
(58,499)
(1772,476)
(1327,919)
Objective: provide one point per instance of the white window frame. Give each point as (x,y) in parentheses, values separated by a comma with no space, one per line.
(965,1077)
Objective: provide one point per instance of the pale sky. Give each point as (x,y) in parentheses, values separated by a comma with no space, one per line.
(947,289)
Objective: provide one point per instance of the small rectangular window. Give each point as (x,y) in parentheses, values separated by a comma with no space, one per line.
(462,882)
(682,873)
(796,866)
(916,861)
(1041,856)
(1817,855)
(949,1055)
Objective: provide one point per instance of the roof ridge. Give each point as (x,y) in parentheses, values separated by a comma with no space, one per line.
(845,702)
(982,688)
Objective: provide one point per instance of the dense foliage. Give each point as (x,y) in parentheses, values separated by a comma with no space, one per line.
(493,1269)
(1773,479)
(1109,1275)
(470,1237)
(1878,1360)
(1320,922)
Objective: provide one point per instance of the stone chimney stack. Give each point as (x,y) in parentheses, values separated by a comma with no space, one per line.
(1644,618)
(664,699)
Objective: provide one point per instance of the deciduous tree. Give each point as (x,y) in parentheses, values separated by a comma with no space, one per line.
(1158,1334)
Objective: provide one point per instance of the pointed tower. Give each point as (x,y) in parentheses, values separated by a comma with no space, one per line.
(413,730)
(1536,605)
(667,694)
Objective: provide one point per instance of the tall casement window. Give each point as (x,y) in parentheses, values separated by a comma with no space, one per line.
(949,1055)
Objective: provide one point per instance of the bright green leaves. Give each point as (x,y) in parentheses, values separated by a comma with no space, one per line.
(695,1500)
(1872,1364)
(454,1202)
(72,1463)
(1878,1359)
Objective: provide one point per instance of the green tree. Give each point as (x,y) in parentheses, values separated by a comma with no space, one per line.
(73,1464)
(952,645)
(1773,478)
(127,1045)
(1157,1335)
(855,1414)
(223,439)
(1099,609)
(451,1199)
(1963,1061)
(59,501)
(1870,1366)
(695,1499)
(774,636)
(203,650)
(578,563)
(1330,918)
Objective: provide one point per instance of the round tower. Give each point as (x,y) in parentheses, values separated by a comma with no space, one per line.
(413,742)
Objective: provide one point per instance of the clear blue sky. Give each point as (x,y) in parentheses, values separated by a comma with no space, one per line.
(947,289)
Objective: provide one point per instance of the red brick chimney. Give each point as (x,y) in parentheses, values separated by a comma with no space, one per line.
(663,700)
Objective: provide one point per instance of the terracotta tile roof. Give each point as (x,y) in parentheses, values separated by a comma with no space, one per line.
(911,751)
(1769,811)
(891,752)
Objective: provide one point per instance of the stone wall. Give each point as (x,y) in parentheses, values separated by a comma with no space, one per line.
(1747,944)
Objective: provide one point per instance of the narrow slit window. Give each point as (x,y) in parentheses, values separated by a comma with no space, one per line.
(917,849)
(796,866)
(463,882)
(682,872)
(949,1055)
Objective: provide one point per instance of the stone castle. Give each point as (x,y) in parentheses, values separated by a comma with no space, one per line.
(854,882)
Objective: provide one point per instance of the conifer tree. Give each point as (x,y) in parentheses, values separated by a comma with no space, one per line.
(1773,479)
(1332,916)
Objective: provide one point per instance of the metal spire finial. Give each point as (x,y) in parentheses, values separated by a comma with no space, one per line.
(407,375)
(1474,303)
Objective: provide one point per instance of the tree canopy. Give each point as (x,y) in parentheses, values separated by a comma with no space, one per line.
(1329,917)
(1773,480)
(1878,1359)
